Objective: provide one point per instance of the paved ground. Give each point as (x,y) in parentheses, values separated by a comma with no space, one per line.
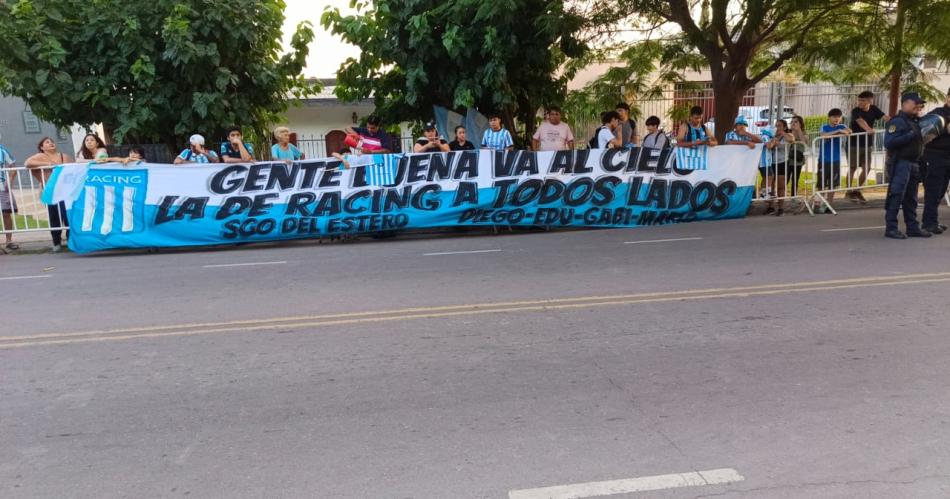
(806,356)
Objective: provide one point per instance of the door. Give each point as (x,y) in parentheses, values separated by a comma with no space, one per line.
(334,141)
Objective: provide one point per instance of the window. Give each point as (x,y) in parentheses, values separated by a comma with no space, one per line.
(31,124)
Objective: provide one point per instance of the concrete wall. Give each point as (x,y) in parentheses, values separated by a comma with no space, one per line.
(313,120)
(21,131)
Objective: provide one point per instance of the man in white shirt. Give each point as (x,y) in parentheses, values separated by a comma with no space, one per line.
(607,135)
(553,134)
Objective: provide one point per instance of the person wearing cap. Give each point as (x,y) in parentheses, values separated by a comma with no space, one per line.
(430,142)
(740,135)
(905,146)
(196,152)
(937,180)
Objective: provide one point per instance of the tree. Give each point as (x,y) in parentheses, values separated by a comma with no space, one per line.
(494,55)
(640,72)
(885,41)
(151,71)
(742,42)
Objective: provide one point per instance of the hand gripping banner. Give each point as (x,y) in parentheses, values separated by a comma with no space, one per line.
(112,206)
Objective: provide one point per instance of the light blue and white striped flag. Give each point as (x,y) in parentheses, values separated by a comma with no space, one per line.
(383,170)
(692,158)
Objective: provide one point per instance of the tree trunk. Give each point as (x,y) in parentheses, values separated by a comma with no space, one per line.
(107,133)
(508,120)
(897,62)
(728,99)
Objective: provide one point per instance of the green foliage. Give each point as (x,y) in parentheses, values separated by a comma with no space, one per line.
(493,55)
(869,45)
(642,71)
(813,125)
(741,42)
(151,71)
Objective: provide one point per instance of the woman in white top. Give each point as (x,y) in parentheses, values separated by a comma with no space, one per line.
(92,149)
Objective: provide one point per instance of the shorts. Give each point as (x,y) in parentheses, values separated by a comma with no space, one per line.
(7,201)
(859,157)
(829,175)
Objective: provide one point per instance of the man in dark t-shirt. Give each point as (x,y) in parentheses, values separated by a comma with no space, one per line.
(461,142)
(861,144)
(373,129)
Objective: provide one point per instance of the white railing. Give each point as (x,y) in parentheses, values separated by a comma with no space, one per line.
(782,170)
(847,164)
(21,189)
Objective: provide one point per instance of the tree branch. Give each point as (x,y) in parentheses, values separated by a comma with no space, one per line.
(680,14)
(719,8)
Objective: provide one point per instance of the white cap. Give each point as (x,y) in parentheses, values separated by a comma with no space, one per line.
(197,140)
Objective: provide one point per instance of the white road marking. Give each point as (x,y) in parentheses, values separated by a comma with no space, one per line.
(462,252)
(17,278)
(664,240)
(630,485)
(249,264)
(854,228)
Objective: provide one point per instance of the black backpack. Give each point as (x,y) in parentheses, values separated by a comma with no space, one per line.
(592,143)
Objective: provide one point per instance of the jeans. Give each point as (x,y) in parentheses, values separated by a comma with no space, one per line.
(57,219)
(935,184)
(902,195)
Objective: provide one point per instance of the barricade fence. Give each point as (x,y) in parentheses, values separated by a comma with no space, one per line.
(848,164)
(783,175)
(808,174)
(23,187)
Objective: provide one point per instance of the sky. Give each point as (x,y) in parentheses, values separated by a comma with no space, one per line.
(326,51)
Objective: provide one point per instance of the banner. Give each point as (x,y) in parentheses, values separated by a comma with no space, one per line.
(114,206)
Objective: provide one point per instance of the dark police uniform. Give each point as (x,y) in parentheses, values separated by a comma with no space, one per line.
(904,148)
(937,158)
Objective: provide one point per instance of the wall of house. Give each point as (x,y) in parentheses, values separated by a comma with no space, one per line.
(21,130)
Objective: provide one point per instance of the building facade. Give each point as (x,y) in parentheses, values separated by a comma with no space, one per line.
(21,130)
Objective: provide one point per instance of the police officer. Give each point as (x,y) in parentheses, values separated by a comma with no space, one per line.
(905,145)
(937,158)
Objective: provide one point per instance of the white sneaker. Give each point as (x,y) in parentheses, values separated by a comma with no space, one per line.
(57,248)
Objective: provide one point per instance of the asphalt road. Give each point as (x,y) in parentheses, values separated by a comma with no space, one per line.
(793,358)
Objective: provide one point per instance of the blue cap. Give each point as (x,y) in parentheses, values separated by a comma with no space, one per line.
(741,121)
(914,96)
(767,133)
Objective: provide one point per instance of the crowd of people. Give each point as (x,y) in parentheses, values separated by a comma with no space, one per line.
(782,161)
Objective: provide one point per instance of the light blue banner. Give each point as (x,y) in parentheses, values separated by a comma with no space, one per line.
(112,207)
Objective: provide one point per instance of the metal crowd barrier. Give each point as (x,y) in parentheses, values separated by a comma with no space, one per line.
(788,172)
(24,186)
(858,155)
(783,175)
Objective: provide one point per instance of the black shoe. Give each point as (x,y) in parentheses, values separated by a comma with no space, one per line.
(895,234)
(769,211)
(942,227)
(918,233)
(779,212)
(934,229)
